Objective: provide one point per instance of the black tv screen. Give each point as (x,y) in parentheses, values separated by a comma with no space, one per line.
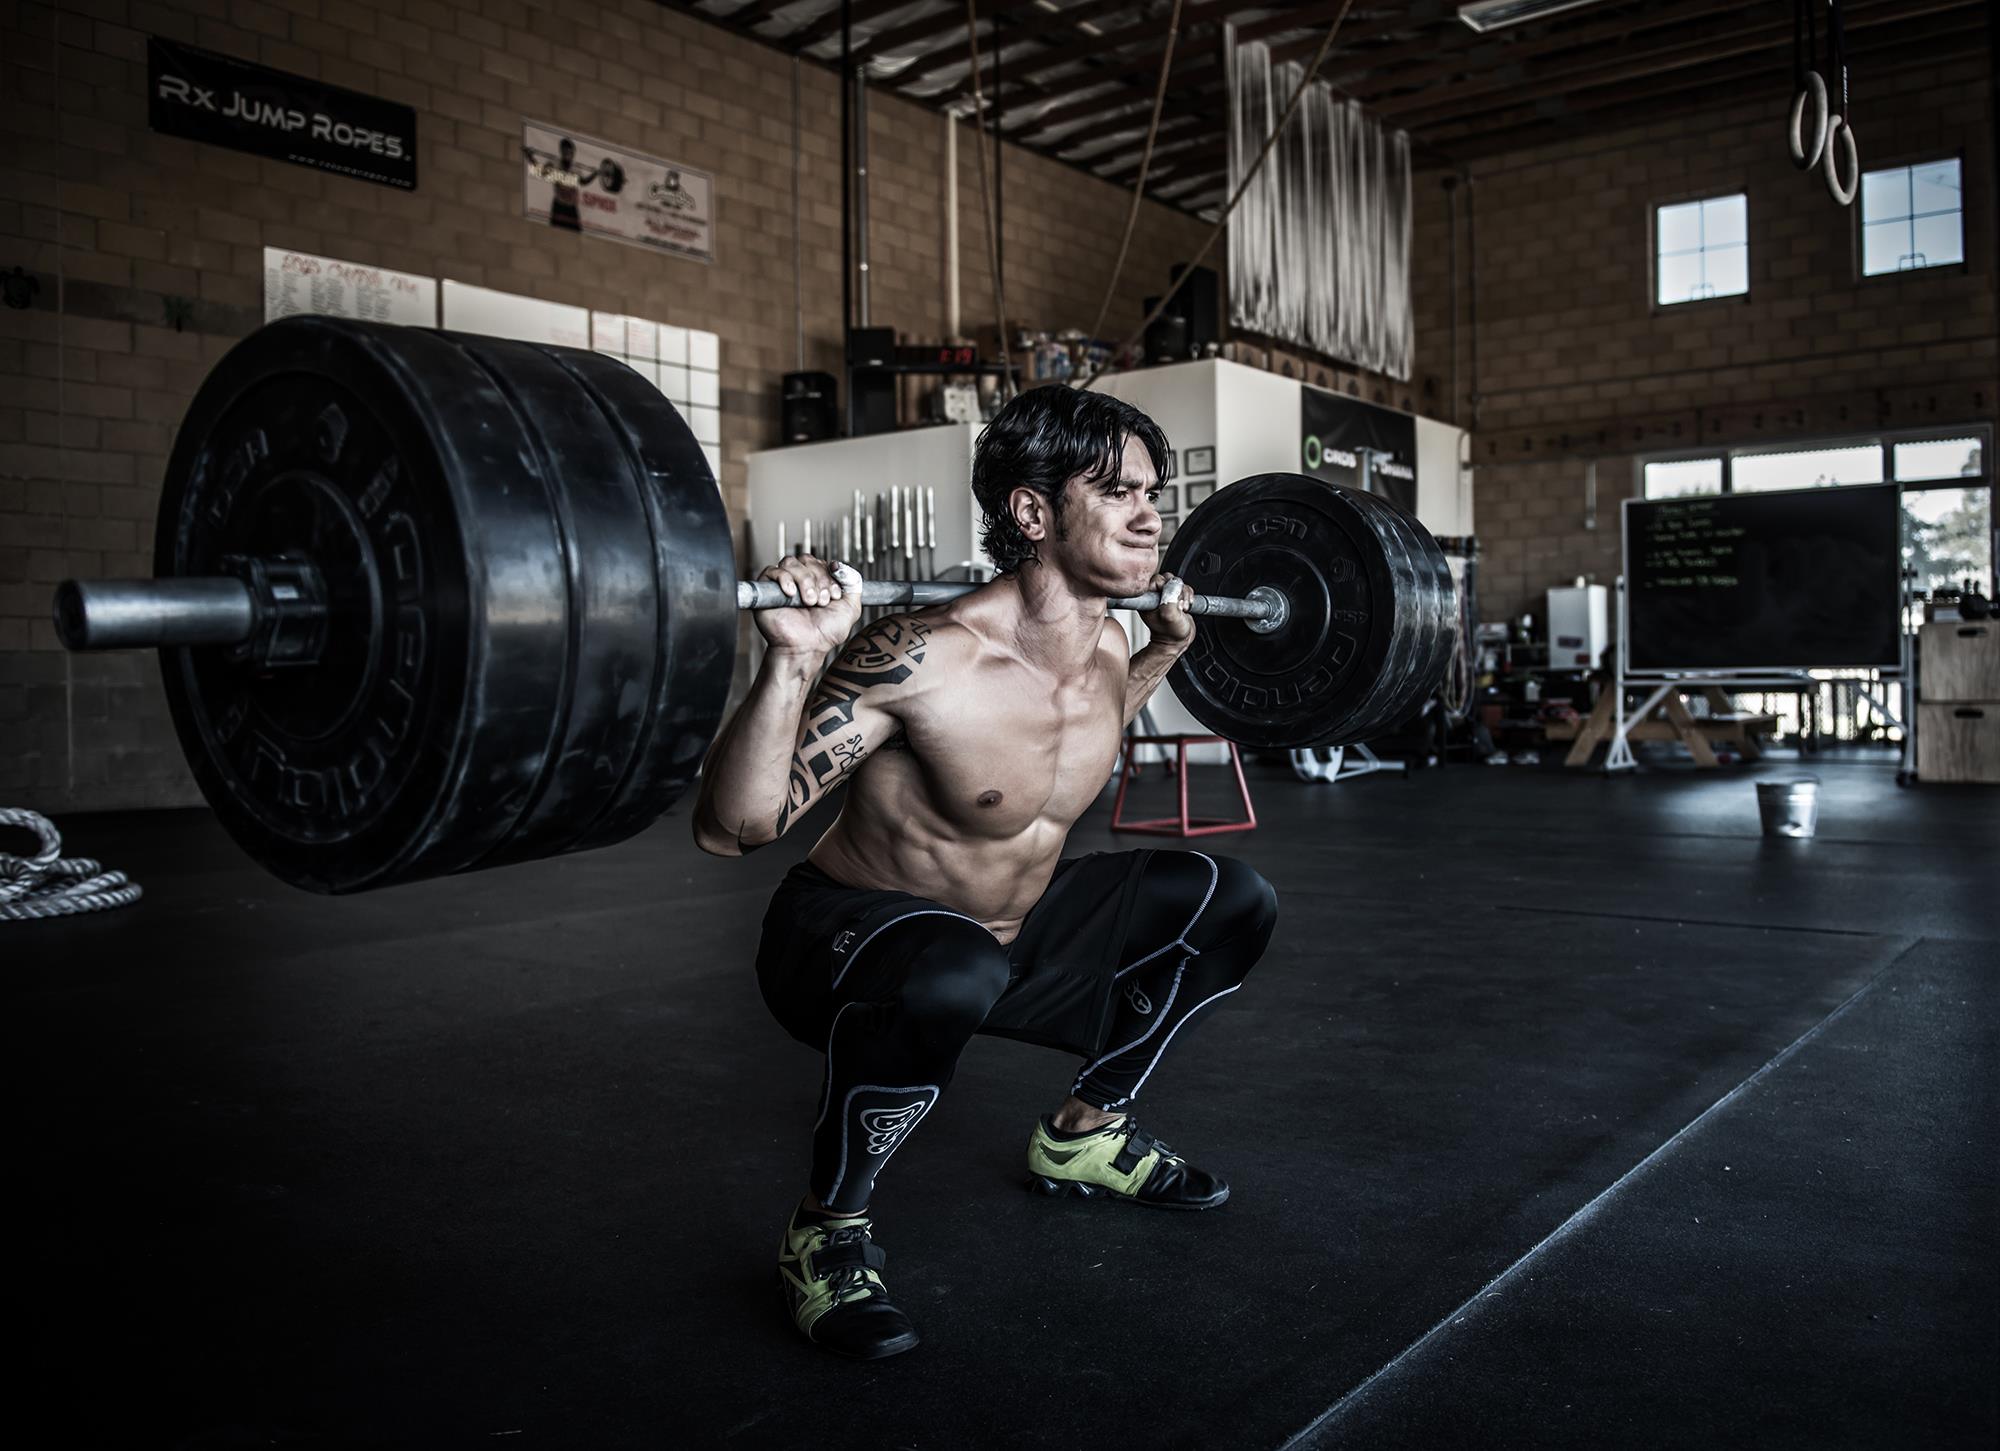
(1804,579)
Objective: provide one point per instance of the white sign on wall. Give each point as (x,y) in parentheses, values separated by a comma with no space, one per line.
(296,282)
(580,184)
(469,309)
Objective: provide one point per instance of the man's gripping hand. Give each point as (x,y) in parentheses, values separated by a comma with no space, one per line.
(1170,622)
(828,595)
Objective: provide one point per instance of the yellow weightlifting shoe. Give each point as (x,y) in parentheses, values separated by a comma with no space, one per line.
(1117,1162)
(830,1280)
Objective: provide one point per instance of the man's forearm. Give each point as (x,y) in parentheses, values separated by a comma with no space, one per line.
(745,782)
(1143,676)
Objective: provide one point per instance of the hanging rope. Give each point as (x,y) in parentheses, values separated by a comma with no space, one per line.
(986,195)
(1145,165)
(47,885)
(1319,58)
(1840,125)
(1808,89)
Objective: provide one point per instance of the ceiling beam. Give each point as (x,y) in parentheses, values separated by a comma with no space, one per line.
(812,32)
(949,23)
(1483,134)
(1427,110)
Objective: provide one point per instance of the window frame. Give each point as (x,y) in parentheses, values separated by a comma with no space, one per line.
(1857,236)
(1681,198)
(1884,439)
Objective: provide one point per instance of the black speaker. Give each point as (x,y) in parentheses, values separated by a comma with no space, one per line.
(1166,339)
(871,386)
(809,411)
(1199,300)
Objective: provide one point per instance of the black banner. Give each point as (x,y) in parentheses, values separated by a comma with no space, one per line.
(1337,428)
(227,102)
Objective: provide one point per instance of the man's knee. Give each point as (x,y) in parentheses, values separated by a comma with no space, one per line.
(954,979)
(1244,905)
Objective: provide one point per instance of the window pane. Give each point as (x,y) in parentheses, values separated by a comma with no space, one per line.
(1728,270)
(1938,458)
(1679,276)
(1723,221)
(1680,227)
(1885,195)
(1948,538)
(1938,240)
(1883,245)
(1753,472)
(1684,476)
(1934,188)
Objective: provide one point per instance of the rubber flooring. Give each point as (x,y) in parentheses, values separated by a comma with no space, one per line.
(1563,1111)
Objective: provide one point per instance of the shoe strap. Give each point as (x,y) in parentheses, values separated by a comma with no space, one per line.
(844,1253)
(1137,1146)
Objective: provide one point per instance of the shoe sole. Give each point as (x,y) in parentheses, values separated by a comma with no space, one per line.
(879,1352)
(1073,1189)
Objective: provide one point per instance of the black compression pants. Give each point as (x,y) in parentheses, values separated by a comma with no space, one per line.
(1121,953)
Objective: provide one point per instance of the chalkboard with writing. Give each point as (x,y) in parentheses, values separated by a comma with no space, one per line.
(1802,579)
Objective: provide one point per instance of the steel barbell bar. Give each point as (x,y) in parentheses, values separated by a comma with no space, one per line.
(128,614)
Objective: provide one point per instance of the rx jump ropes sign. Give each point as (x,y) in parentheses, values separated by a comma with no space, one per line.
(227,102)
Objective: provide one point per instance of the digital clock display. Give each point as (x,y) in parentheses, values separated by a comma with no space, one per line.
(938,355)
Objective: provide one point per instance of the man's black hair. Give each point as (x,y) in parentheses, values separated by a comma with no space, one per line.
(1042,439)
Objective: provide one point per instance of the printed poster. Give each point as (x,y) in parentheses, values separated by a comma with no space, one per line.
(300,282)
(580,184)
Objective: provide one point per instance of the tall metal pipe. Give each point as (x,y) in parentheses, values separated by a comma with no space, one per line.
(999,166)
(951,225)
(861,189)
(846,205)
(798,248)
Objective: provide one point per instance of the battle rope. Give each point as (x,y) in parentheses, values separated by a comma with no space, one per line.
(48,885)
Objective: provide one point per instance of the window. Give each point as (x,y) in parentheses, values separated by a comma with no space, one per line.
(1806,468)
(1676,477)
(1947,527)
(1702,249)
(1940,458)
(1911,217)
(1947,484)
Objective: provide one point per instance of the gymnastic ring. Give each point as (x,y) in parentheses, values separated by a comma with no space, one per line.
(1839,131)
(1804,157)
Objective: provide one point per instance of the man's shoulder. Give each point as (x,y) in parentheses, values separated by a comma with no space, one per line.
(900,649)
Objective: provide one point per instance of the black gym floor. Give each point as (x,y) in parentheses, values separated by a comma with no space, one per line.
(1564,1111)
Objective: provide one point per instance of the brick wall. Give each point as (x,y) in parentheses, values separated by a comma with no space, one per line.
(114,220)
(1575,365)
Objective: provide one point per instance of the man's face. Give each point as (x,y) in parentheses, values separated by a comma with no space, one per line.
(568,152)
(1108,538)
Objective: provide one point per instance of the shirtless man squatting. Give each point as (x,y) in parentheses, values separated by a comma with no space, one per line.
(938,904)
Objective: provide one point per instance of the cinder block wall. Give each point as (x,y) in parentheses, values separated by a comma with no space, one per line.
(1576,365)
(114,220)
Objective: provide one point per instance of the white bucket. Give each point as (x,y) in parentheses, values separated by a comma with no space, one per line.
(1789,808)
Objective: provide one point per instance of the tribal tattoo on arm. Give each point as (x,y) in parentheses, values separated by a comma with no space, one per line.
(888,652)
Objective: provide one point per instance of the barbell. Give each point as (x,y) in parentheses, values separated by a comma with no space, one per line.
(429,602)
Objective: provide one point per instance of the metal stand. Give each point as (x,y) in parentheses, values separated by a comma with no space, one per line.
(1335,764)
(1663,683)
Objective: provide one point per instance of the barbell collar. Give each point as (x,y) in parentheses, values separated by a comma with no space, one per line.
(1263,604)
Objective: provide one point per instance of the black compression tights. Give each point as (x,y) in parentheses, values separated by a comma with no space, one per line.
(1198,925)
